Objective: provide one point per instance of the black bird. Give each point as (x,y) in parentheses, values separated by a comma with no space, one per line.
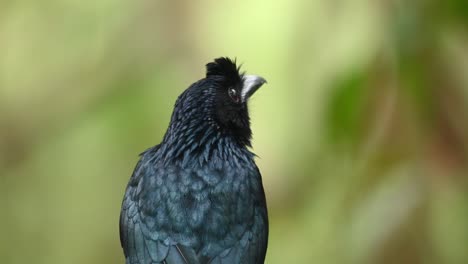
(198,196)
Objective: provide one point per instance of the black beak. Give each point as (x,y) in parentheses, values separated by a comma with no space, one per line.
(251,85)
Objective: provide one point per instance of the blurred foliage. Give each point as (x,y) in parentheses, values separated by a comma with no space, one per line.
(361,131)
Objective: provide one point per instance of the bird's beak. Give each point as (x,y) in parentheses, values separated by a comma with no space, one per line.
(251,83)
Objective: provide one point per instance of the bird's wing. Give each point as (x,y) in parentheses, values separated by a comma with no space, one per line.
(252,245)
(251,248)
(140,245)
(140,248)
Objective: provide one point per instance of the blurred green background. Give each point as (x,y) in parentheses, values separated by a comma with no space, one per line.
(362,130)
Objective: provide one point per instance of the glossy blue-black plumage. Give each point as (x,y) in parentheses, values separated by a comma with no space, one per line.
(198,197)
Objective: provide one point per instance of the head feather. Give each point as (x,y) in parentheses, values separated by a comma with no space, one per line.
(224,68)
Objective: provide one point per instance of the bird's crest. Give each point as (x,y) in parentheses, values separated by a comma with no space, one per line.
(226,68)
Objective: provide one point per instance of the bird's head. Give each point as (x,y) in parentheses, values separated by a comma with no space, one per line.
(217,103)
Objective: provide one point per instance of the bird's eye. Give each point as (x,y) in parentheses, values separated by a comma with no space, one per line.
(233,94)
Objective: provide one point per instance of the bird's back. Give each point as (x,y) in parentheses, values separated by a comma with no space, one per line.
(197,213)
